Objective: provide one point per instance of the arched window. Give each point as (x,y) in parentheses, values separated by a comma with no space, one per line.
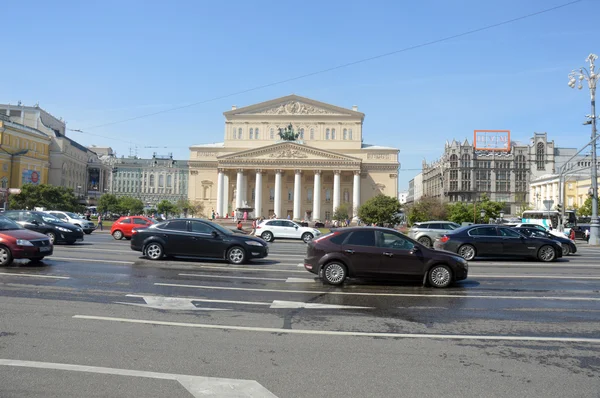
(169,181)
(345,134)
(151,180)
(453,161)
(256,137)
(312,134)
(333,134)
(161,181)
(539,156)
(465,160)
(240,133)
(251,133)
(327,134)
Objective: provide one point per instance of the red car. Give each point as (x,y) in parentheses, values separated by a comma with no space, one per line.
(17,242)
(123,226)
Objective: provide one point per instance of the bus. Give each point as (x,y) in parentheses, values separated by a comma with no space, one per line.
(549,218)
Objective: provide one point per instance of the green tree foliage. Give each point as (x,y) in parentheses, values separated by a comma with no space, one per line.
(460,212)
(183,206)
(427,209)
(492,209)
(288,134)
(196,209)
(586,209)
(165,207)
(47,196)
(341,213)
(129,205)
(380,210)
(108,203)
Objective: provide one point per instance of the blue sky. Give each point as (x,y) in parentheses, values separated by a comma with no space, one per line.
(99,62)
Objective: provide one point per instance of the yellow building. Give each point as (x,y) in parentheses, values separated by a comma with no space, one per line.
(582,188)
(24,155)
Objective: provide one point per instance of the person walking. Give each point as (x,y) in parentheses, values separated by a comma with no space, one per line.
(100,222)
(587,235)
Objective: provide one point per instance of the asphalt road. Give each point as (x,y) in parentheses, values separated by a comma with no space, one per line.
(97,320)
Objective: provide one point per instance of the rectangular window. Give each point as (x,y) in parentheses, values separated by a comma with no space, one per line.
(271,194)
(290,194)
(309,195)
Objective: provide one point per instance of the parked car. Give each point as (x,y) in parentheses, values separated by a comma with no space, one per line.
(72,218)
(427,232)
(192,237)
(485,240)
(375,252)
(17,242)
(542,228)
(122,228)
(568,246)
(270,230)
(38,221)
(580,231)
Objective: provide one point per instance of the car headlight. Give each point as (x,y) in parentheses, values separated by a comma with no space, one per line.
(23,242)
(62,229)
(253,243)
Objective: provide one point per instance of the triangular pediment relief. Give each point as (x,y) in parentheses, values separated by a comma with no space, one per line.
(287,151)
(293,105)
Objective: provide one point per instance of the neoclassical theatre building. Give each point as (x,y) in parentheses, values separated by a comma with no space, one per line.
(326,166)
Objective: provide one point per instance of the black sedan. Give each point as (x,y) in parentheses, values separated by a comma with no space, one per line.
(568,246)
(51,226)
(497,241)
(192,237)
(373,252)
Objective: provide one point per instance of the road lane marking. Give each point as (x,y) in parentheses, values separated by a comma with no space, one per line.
(73,249)
(35,276)
(90,260)
(198,386)
(279,304)
(300,280)
(250,269)
(344,333)
(300,264)
(170,303)
(234,277)
(385,294)
(534,276)
(210,300)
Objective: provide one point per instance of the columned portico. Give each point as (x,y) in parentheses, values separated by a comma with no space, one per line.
(220,190)
(258,195)
(336,190)
(355,194)
(316,214)
(297,194)
(277,195)
(239,187)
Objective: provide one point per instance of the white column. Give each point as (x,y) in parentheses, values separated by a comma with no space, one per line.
(277,207)
(245,190)
(356,194)
(239,187)
(258,195)
(336,190)
(225,195)
(220,192)
(297,194)
(316,214)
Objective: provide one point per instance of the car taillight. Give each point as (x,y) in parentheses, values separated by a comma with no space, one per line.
(258,227)
(135,231)
(445,238)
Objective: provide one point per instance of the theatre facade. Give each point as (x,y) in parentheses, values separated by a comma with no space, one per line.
(306,178)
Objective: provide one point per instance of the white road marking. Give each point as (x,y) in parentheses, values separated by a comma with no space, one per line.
(533,276)
(90,260)
(35,276)
(251,269)
(210,300)
(343,333)
(234,277)
(198,386)
(295,304)
(170,303)
(386,294)
(300,264)
(74,249)
(299,280)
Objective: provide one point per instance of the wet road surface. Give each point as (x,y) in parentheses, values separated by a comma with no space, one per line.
(512,326)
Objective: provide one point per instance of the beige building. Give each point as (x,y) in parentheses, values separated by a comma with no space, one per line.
(327,166)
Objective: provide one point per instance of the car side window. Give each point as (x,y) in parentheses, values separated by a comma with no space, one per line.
(483,231)
(201,228)
(437,226)
(139,221)
(178,225)
(423,226)
(339,239)
(450,226)
(125,221)
(289,224)
(13,216)
(394,241)
(361,238)
(509,233)
(274,223)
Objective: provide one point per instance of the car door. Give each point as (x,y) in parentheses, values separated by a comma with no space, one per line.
(292,230)
(513,243)
(33,222)
(361,253)
(486,241)
(275,227)
(400,258)
(203,243)
(176,237)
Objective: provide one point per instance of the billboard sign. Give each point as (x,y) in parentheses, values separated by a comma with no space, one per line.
(492,140)
(31,177)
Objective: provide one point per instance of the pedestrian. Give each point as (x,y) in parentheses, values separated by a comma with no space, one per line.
(245,216)
(587,235)
(572,234)
(212,215)
(253,227)
(100,222)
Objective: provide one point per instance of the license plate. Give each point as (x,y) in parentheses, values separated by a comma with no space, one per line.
(45,249)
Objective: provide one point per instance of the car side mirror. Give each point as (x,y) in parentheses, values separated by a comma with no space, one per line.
(215,234)
(34,222)
(296,227)
(415,249)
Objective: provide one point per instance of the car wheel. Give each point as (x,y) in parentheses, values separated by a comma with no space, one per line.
(546,253)
(51,236)
(118,235)
(467,252)
(267,236)
(440,276)
(154,251)
(6,257)
(334,273)
(236,255)
(307,237)
(566,250)
(425,241)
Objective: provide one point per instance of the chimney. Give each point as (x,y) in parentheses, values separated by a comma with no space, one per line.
(355,108)
(233,107)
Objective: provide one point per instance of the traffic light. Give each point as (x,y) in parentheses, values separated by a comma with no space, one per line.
(559,208)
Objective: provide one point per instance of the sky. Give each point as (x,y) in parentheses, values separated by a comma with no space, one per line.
(97,63)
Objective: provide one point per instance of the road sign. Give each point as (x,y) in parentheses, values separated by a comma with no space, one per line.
(14,191)
(548,204)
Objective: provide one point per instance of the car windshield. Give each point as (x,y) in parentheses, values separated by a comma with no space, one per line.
(50,218)
(221,229)
(73,215)
(6,224)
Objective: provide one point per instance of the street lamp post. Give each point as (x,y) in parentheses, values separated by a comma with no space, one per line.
(591,77)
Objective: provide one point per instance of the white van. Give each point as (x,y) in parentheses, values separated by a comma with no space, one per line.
(72,218)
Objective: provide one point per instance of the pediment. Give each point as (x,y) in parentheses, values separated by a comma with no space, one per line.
(293,105)
(288,151)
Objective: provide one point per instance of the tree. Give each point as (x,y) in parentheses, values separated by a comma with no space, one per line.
(586,209)
(183,206)
(492,209)
(47,196)
(460,212)
(165,207)
(108,203)
(129,205)
(288,134)
(196,209)
(341,213)
(427,209)
(380,210)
